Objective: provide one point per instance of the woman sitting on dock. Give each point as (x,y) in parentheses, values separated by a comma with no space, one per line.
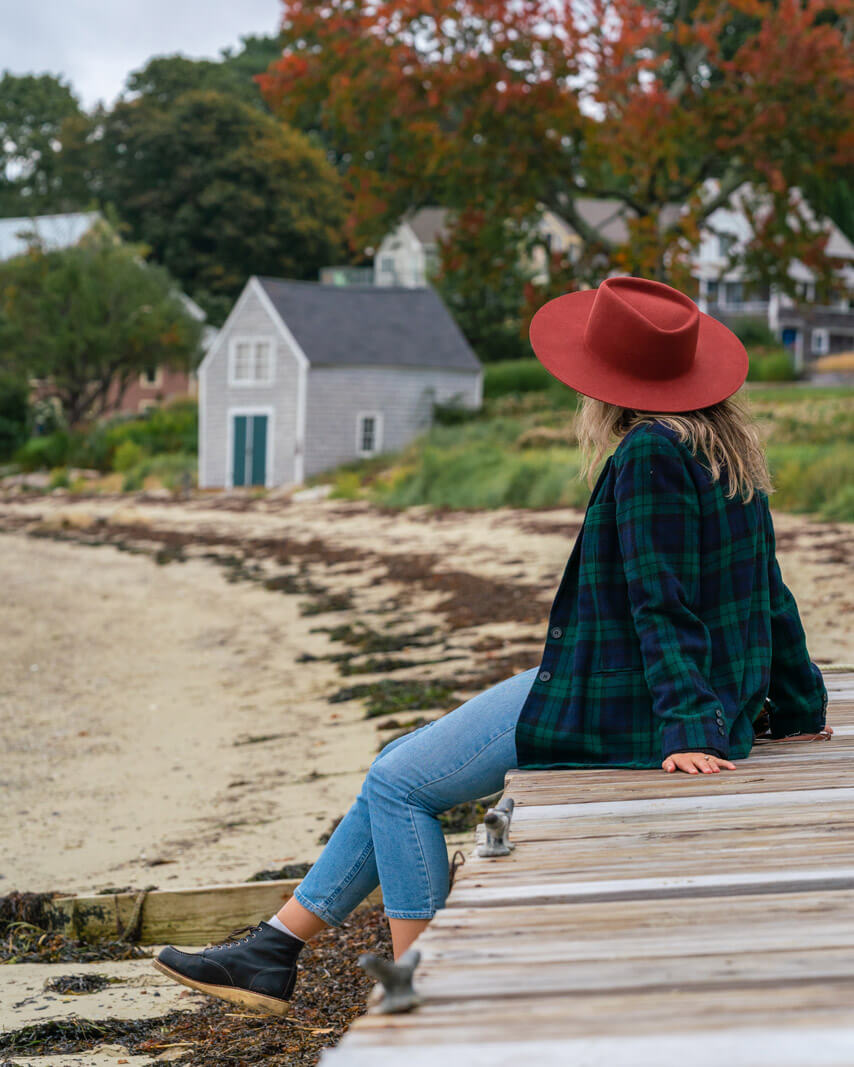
(671,632)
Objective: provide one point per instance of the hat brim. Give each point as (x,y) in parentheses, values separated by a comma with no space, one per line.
(557,330)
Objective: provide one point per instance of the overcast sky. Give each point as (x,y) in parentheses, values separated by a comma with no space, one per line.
(96,43)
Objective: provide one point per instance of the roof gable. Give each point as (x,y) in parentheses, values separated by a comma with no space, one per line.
(370,326)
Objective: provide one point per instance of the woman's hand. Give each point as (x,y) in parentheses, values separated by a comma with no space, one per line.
(696,763)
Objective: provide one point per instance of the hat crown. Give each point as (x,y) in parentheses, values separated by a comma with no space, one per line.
(643,326)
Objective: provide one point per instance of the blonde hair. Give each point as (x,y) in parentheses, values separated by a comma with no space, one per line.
(724,433)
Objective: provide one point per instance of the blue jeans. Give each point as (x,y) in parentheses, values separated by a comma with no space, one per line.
(391,835)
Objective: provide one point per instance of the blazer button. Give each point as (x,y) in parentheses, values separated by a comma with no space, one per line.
(722,731)
(556,632)
(544,676)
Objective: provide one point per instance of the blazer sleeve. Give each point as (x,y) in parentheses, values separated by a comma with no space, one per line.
(659,525)
(797,696)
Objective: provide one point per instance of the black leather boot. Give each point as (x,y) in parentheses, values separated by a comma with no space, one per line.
(257,970)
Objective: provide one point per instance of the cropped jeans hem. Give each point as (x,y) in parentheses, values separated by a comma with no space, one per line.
(391,836)
(317,909)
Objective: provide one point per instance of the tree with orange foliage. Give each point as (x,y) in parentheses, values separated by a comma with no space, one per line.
(498,108)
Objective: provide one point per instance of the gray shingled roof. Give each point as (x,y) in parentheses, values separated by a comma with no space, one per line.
(428,224)
(359,325)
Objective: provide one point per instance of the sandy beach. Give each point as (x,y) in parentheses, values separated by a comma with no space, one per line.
(160,724)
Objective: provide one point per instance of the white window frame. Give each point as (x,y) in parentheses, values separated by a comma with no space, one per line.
(144,383)
(820,342)
(146,405)
(253,340)
(377,416)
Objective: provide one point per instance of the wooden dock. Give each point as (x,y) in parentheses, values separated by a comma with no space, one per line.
(646,919)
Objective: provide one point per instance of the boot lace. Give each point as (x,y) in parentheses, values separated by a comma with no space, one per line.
(237,937)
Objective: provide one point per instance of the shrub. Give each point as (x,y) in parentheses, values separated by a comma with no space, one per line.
(515,376)
(176,470)
(754,332)
(777,366)
(14,413)
(840,507)
(453,413)
(59,478)
(347,485)
(127,456)
(45,453)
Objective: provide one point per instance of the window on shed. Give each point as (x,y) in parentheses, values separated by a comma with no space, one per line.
(243,361)
(263,361)
(368,433)
(252,362)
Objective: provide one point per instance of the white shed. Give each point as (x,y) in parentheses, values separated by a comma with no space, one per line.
(303,377)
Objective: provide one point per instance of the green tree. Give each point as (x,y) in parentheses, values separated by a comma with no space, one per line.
(218,191)
(164,79)
(14,412)
(42,134)
(85,318)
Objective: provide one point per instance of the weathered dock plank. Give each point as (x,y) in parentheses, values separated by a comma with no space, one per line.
(644,918)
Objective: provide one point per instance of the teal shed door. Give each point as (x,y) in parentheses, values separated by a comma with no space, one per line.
(250,450)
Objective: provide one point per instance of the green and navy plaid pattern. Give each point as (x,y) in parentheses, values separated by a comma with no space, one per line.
(671,624)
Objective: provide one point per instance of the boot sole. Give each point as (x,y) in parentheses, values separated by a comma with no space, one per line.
(233,994)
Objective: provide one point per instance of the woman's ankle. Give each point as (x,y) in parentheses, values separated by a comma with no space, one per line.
(299,921)
(277,924)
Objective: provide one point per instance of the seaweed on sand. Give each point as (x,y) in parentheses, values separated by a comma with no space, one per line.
(398,694)
(331,991)
(28,935)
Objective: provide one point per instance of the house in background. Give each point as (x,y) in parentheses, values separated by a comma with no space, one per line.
(409,255)
(726,292)
(157,384)
(303,377)
(807,329)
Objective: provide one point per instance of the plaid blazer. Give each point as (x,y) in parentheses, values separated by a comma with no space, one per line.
(671,625)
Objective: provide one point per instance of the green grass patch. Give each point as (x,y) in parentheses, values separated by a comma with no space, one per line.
(520,452)
(176,470)
(814,478)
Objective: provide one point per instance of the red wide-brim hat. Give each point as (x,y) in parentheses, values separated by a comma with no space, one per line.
(638,344)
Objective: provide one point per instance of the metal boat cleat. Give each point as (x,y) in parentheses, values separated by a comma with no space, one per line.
(395,992)
(496,823)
